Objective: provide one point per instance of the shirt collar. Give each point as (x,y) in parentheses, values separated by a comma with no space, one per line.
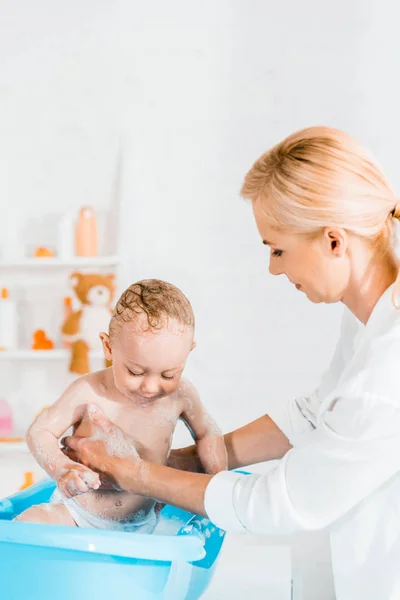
(383,308)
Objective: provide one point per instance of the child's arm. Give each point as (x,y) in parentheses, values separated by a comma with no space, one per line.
(43,435)
(209,439)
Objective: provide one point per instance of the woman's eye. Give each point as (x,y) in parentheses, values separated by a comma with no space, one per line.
(277,253)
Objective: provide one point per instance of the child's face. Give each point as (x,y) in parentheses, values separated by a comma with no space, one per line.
(148,365)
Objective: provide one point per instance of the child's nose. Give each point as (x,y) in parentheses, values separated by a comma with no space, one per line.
(149,386)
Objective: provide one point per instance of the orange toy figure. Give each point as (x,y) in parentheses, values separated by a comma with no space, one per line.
(82,327)
(41,341)
(42,252)
(28,480)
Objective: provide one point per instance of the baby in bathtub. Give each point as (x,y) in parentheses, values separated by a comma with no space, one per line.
(151,334)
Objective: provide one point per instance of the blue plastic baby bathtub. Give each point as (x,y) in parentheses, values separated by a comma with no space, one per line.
(45,562)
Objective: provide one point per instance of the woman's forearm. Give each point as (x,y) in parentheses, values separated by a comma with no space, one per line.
(170,486)
(258,441)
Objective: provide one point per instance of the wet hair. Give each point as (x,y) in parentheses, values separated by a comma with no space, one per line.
(158,301)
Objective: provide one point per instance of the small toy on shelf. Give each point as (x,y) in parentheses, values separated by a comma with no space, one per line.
(81,328)
(28,480)
(41,341)
(8,321)
(42,252)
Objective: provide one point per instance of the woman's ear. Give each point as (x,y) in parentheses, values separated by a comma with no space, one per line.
(336,239)
(105,342)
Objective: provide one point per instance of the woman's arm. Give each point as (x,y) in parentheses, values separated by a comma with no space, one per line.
(311,487)
(256,442)
(128,472)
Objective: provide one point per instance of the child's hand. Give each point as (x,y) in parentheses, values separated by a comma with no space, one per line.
(77,480)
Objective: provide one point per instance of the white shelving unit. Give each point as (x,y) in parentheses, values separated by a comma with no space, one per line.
(7,447)
(41,269)
(43,355)
(74,263)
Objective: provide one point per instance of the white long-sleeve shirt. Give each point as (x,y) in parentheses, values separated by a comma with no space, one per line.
(343,472)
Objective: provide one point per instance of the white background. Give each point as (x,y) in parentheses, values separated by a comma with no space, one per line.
(152,112)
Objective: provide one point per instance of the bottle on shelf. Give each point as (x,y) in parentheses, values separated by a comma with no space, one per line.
(65,244)
(8,321)
(6,419)
(86,233)
(11,234)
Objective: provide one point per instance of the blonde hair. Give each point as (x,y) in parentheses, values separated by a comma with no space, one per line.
(158,300)
(321,176)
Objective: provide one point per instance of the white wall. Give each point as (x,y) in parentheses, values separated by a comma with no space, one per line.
(189,94)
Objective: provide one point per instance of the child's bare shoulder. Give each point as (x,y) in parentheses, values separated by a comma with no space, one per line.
(99,387)
(187,392)
(86,388)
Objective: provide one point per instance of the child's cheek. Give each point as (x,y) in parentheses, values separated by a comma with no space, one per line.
(172,386)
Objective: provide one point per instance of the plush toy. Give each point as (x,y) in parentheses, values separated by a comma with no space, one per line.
(81,328)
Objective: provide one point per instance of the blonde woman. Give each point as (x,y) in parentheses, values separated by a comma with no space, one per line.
(326,212)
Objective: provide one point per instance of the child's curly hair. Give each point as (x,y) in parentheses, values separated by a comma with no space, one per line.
(158,300)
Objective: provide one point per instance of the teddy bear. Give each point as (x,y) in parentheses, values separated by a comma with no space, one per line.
(81,328)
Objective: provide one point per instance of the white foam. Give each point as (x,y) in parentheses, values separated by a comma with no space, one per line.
(116,443)
(168,526)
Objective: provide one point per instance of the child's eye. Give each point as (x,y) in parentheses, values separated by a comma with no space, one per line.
(165,377)
(277,253)
(135,374)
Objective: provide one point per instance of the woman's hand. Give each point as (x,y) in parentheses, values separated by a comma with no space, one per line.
(111,454)
(108,452)
(185,459)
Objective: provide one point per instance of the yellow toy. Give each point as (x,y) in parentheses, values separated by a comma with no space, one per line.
(95,292)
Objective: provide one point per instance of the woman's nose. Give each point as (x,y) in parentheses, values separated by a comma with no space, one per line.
(274,267)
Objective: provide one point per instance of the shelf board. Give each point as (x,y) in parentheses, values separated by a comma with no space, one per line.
(75,262)
(58,354)
(6,447)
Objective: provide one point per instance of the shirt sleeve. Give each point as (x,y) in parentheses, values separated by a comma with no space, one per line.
(300,414)
(317,482)
(354,449)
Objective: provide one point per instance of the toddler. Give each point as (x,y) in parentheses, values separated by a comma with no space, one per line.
(150,336)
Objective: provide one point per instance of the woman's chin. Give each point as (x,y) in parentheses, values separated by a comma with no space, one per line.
(314,297)
(324,299)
